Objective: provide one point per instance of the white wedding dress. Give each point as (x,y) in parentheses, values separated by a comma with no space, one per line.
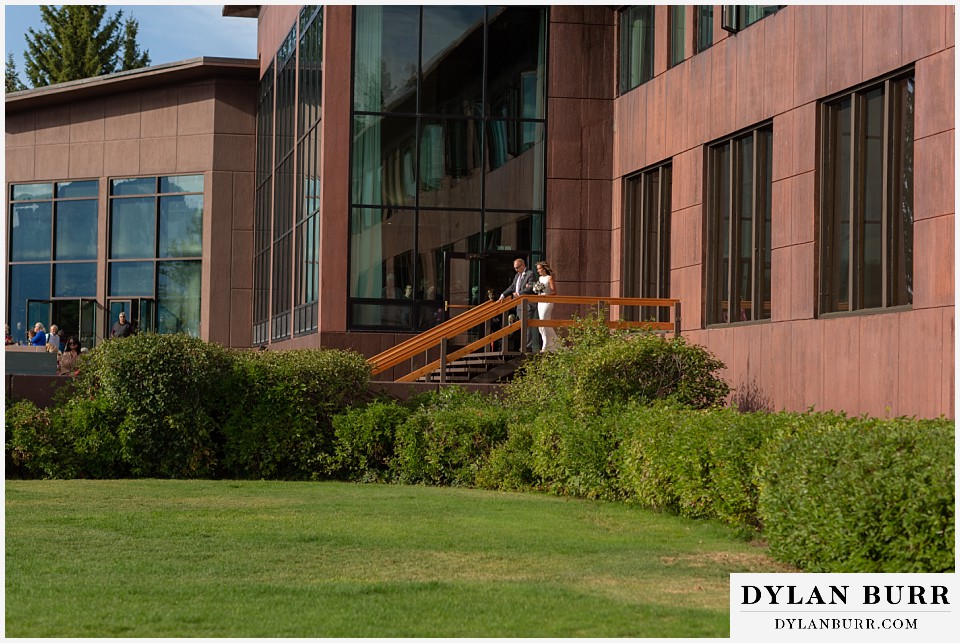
(548,336)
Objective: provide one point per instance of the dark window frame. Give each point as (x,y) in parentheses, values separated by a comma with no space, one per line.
(676,51)
(647,200)
(699,43)
(724,205)
(896,262)
(646,66)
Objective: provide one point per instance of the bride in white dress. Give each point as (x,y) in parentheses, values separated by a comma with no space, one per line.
(546,286)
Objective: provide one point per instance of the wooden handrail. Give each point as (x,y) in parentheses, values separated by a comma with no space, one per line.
(479,315)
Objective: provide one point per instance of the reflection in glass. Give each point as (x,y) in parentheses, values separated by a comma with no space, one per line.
(30,230)
(145,185)
(515,180)
(78,189)
(32,192)
(178,297)
(188,183)
(27,281)
(452,60)
(873,179)
(517,45)
(75,279)
(76,230)
(448,231)
(385,58)
(132,228)
(450,158)
(131,279)
(181,226)
(513,231)
(381,244)
(384,160)
(636,46)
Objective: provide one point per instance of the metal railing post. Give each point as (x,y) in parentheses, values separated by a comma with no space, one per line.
(443,360)
(676,319)
(523,327)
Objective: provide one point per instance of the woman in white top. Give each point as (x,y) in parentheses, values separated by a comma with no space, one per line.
(546,286)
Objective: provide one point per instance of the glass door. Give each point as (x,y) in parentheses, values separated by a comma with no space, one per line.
(141,312)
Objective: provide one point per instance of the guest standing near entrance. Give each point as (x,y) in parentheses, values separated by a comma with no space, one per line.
(522,284)
(39,336)
(122,328)
(546,286)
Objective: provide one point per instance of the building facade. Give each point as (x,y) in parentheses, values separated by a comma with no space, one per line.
(133,192)
(786,172)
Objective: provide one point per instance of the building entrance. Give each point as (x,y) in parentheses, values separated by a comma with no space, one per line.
(141,313)
(76,317)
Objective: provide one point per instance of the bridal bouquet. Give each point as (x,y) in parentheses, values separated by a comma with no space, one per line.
(539,288)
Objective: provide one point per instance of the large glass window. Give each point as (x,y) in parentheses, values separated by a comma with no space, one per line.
(678,18)
(52,248)
(738,227)
(704,26)
(264,210)
(737,17)
(867,197)
(448,149)
(636,46)
(646,239)
(156,243)
(309,109)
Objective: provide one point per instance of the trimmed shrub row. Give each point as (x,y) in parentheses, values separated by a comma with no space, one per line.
(173,406)
(830,493)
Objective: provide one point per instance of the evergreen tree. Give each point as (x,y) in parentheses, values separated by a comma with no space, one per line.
(11,79)
(81,41)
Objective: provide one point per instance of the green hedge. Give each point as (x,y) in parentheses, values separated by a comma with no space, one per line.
(449,438)
(829,493)
(862,496)
(174,406)
(280,426)
(169,393)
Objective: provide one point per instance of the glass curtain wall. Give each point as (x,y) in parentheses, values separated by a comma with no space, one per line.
(155,247)
(52,251)
(264,201)
(283,184)
(307,267)
(448,150)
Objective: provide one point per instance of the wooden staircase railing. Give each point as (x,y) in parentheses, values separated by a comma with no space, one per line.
(439,336)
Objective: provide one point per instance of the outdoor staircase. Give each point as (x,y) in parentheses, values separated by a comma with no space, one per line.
(477,362)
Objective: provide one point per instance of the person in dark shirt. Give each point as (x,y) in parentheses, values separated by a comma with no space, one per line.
(122,328)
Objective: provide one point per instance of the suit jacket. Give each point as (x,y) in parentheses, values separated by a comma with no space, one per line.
(527,279)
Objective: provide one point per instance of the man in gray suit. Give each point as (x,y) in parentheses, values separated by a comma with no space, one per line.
(522,284)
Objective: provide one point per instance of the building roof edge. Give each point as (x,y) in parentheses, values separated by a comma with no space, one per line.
(189,69)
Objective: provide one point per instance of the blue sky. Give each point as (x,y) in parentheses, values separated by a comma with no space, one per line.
(169,32)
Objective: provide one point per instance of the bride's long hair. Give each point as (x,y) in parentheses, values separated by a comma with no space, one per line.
(546,268)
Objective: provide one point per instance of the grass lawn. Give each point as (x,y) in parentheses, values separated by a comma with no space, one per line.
(161,558)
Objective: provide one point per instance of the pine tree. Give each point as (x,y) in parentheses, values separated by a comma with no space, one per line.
(11,79)
(81,41)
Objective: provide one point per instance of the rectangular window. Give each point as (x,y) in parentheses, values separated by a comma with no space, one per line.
(704,27)
(678,18)
(155,248)
(636,46)
(52,252)
(646,239)
(264,210)
(739,171)
(737,17)
(309,103)
(867,197)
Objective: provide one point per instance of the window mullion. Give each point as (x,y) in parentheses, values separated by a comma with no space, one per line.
(856,202)
(733,300)
(885,199)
